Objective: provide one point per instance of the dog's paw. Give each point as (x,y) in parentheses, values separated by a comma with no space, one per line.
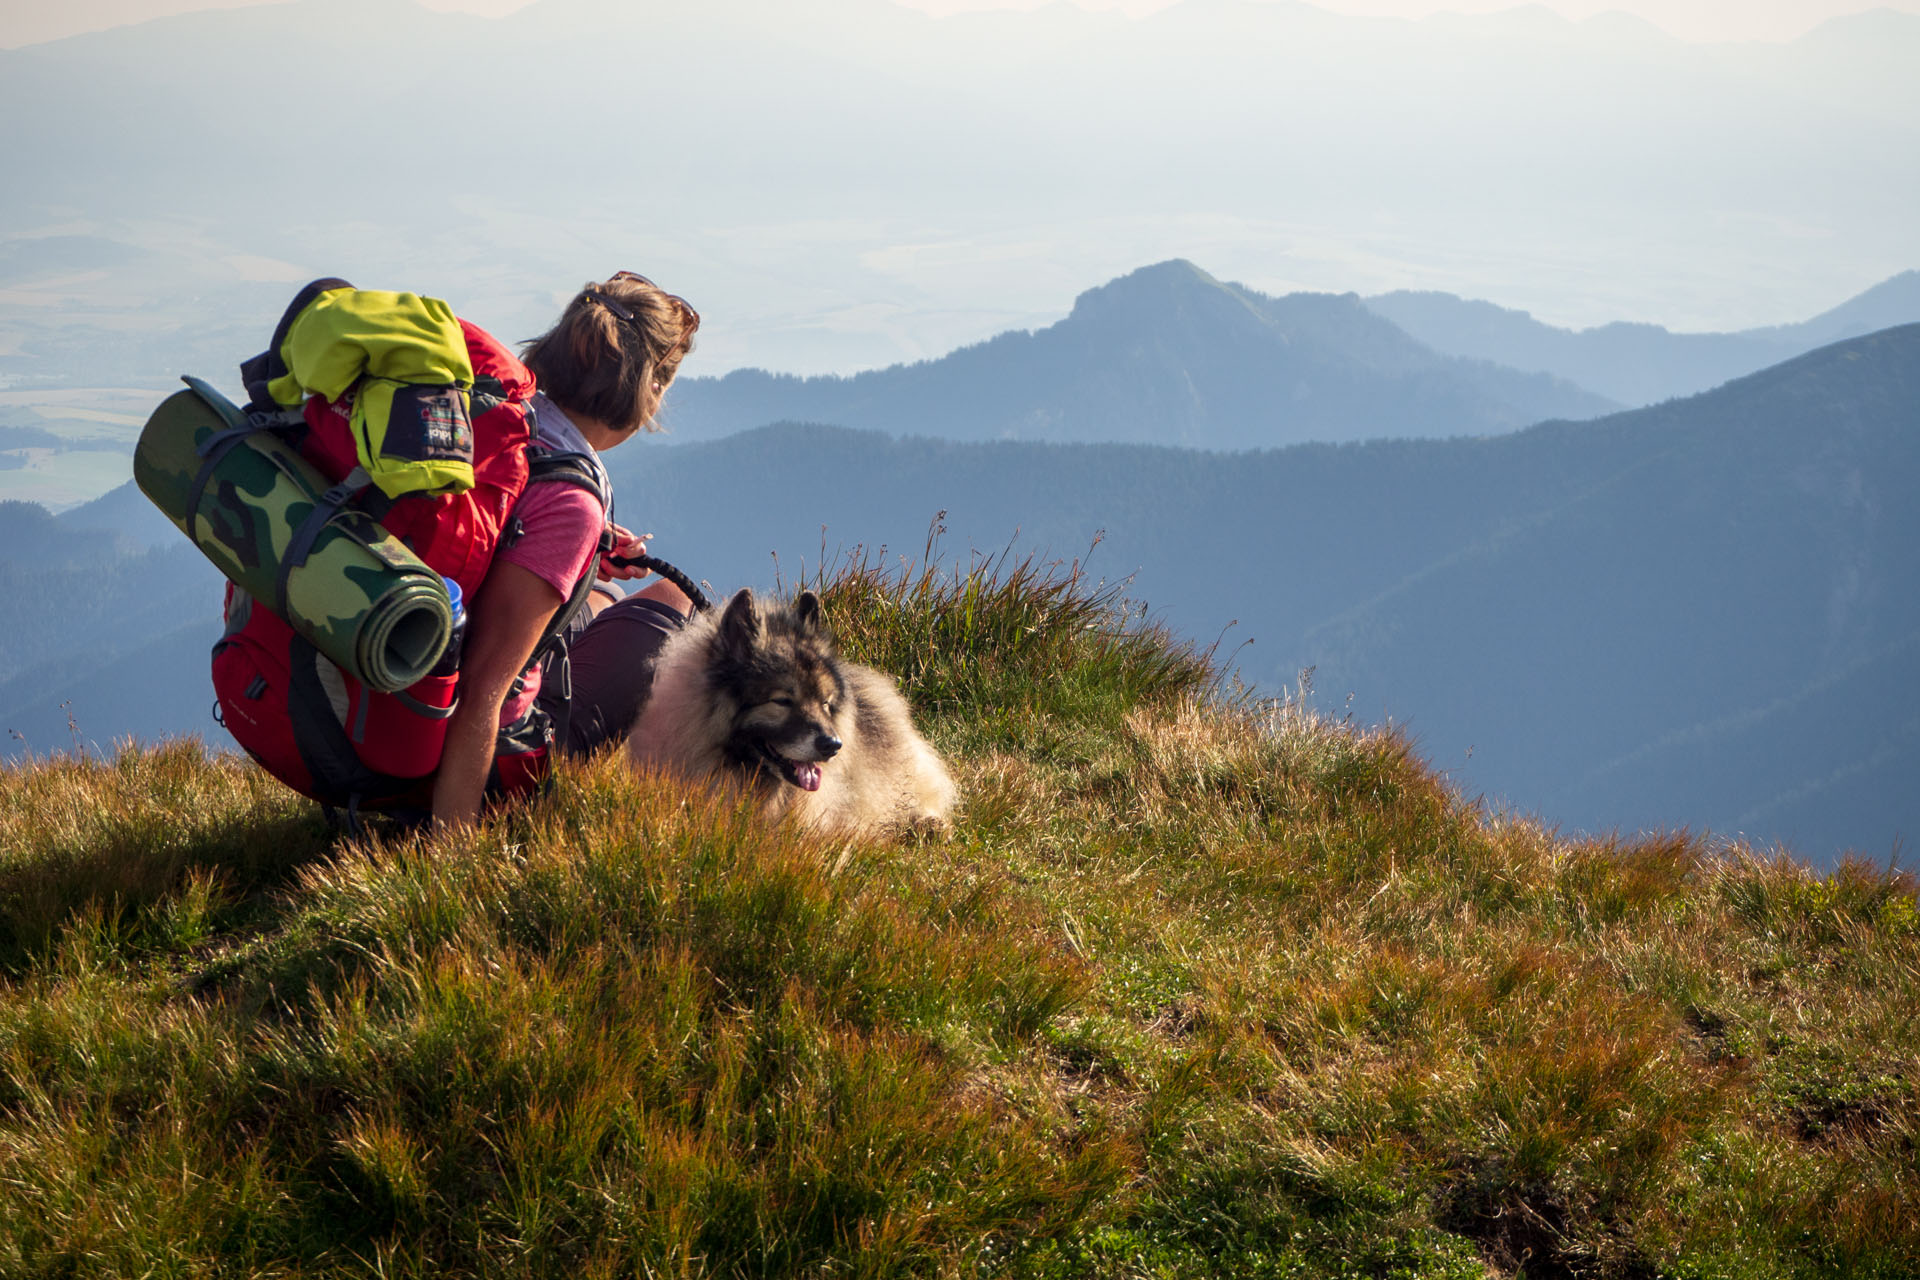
(929,826)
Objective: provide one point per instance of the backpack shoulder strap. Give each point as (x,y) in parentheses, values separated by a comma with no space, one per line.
(549,465)
(585,472)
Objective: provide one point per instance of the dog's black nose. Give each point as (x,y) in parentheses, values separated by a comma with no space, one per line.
(827,745)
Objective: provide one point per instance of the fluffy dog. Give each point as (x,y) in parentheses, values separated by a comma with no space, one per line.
(761,696)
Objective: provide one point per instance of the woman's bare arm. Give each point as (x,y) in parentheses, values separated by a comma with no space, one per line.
(510,612)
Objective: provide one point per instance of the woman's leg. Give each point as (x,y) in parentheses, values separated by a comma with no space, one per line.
(659,589)
(612,660)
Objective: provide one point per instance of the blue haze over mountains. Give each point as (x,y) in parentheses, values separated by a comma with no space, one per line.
(1695,613)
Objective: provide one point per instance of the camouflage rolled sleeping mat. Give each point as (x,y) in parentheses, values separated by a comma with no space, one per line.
(357,593)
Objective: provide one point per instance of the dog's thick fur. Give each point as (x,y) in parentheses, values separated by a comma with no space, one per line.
(760,696)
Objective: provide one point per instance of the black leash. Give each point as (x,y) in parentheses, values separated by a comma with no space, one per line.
(654,564)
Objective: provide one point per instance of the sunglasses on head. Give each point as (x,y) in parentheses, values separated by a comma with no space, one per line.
(689,318)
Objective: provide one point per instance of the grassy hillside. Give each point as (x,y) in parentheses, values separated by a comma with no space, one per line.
(1200,986)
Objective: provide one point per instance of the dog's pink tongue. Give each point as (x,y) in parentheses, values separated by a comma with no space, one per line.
(808,776)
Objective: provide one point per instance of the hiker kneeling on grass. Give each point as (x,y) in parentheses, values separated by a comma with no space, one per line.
(413,522)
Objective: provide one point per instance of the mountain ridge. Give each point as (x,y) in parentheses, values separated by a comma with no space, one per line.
(1766,509)
(1164,353)
(1633,362)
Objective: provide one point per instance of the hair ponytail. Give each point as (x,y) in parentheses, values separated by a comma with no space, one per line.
(616,346)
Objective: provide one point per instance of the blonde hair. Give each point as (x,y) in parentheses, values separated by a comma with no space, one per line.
(614,350)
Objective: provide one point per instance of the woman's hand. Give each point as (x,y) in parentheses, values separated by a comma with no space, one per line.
(628,546)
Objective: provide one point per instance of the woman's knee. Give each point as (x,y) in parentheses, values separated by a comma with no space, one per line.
(666,593)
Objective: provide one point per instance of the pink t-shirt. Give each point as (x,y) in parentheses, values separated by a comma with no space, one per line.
(561,524)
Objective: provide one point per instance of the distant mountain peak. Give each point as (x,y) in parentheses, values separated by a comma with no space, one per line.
(1174,273)
(1175,286)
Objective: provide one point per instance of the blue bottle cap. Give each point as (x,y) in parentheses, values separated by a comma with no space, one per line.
(453,592)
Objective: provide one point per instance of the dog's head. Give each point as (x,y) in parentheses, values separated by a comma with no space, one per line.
(780,669)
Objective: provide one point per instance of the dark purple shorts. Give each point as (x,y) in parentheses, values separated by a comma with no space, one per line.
(612,658)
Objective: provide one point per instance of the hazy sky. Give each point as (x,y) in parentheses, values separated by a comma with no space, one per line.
(1587,180)
(31,21)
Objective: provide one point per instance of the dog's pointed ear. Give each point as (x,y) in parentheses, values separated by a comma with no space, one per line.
(740,626)
(806,611)
(811,624)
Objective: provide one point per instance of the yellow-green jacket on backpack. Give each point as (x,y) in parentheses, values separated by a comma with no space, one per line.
(404,358)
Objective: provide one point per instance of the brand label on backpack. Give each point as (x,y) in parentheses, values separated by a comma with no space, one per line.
(428,424)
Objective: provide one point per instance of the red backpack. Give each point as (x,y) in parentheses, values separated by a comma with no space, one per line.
(309,722)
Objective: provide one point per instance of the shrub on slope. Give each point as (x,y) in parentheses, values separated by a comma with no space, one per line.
(1198,987)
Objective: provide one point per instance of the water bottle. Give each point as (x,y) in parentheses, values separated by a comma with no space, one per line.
(450,659)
